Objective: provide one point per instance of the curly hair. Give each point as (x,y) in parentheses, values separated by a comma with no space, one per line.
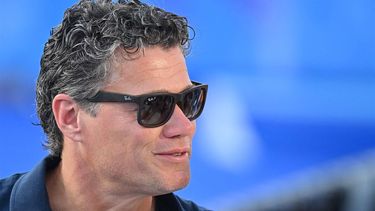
(76,56)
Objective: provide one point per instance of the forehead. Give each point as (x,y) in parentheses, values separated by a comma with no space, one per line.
(149,70)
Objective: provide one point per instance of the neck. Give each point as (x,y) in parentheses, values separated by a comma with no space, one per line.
(70,186)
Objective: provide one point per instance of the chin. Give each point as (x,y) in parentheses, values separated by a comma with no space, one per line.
(182,183)
(176,182)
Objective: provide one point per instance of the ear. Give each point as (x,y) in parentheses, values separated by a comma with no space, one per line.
(66,110)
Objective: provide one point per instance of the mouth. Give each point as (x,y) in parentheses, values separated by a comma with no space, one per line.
(176,155)
(179,154)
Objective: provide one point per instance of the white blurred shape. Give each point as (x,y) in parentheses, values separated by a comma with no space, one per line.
(230,141)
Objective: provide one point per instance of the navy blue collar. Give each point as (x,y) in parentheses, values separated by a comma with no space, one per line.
(30,190)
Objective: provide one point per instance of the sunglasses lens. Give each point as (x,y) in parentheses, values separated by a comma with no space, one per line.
(192,103)
(156,109)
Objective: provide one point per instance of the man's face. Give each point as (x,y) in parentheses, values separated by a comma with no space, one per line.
(121,153)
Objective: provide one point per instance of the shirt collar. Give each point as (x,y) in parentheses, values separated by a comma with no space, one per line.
(29,192)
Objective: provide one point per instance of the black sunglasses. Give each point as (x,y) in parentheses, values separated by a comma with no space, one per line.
(156,109)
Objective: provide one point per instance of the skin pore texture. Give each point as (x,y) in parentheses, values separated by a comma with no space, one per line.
(110,162)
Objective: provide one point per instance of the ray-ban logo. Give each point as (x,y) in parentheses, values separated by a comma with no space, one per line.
(127,98)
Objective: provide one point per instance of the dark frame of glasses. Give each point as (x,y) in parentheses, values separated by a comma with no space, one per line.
(103,96)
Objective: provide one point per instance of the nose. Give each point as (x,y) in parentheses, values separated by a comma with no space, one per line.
(179,125)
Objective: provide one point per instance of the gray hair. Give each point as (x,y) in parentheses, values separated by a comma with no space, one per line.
(77,54)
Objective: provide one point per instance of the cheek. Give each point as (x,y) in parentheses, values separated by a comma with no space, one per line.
(115,139)
(143,142)
(113,126)
(107,138)
(133,145)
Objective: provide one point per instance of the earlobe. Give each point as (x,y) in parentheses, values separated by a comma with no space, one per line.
(65,110)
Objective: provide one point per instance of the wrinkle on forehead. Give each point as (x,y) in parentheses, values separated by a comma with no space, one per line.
(148,66)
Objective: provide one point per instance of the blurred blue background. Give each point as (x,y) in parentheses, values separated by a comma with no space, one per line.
(292,87)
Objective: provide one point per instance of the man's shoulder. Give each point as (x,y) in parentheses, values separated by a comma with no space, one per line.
(189,205)
(6,187)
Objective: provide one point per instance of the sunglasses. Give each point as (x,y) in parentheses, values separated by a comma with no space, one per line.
(156,109)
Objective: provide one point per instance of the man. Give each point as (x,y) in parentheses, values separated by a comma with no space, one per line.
(116,102)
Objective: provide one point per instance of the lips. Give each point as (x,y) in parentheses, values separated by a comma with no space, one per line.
(174,155)
(174,152)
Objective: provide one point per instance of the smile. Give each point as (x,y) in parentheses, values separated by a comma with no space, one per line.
(177,155)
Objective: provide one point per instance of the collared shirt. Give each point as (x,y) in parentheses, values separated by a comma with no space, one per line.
(28,191)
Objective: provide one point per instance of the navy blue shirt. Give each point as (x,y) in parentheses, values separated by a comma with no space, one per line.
(28,191)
